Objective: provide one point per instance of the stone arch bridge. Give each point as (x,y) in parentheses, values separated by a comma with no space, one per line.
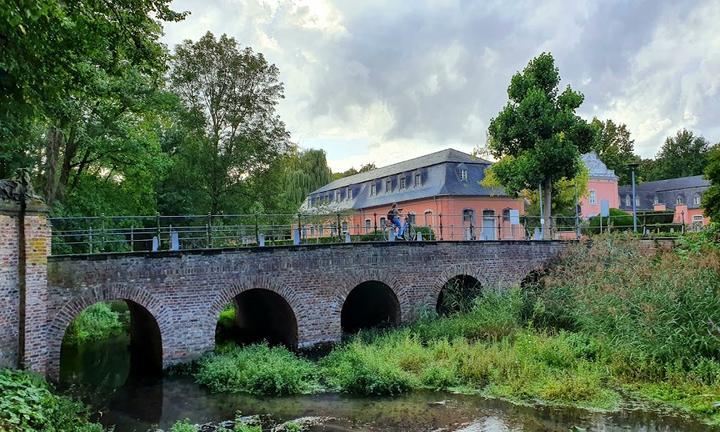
(298,295)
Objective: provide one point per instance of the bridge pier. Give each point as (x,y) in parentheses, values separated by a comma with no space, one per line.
(24,248)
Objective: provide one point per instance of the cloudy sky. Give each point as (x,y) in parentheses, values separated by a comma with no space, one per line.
(380,81)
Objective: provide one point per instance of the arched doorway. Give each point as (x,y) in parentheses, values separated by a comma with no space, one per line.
(458,294)
(370,304)
(258,315)
(109,343)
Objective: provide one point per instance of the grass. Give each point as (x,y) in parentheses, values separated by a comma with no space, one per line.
(609,318)
(28,403)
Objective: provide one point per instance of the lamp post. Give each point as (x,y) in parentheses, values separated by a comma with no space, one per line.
(633,166)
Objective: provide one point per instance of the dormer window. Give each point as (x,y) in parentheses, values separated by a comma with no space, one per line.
(337,196)
(463,174)
(628,201)
(373,188)
(348,193)
(418,179)
(388,185)
(697,199)
(656,200)
(402,182)
(679,200)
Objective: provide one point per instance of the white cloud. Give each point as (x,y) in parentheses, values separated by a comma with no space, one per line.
(375,81)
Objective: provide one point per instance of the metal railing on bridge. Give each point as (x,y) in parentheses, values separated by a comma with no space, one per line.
(101,234)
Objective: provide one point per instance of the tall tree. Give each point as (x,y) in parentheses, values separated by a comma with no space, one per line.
(235,93)
(61,61)
(614,147)
(306,170)
(682,155)
(537,137)
(711,197)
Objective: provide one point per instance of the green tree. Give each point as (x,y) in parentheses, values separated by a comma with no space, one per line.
(306,170)
(614,147)
(682,155)
(55,53)
(352,171)
(233,93)
(537,137)
(711,197)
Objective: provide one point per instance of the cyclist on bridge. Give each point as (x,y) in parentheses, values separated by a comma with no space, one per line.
(393,216)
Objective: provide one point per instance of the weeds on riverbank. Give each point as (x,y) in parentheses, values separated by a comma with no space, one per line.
(256,369)
(28,403)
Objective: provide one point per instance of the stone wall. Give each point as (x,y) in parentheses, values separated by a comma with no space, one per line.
(185,291)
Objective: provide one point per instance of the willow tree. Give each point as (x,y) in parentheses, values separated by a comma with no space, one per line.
(306,170)
(537,137)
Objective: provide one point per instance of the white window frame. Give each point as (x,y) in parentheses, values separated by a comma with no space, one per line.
(402,182)
(592,198)
(463,174)
(373,188)
(418,179)
(388,182)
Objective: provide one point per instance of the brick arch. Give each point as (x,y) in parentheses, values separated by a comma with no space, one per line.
(458,270)
(67,313)
(353,279)
(298,306)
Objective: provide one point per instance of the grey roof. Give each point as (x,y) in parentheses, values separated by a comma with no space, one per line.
(447,155)
(596,167)
(666,191)
(440,174)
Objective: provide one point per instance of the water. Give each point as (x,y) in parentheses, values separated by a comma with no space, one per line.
(138,405)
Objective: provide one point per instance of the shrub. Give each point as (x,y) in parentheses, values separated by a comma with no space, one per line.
(256,369)
(658,309)
(100,321)
(27,403)
(183,426)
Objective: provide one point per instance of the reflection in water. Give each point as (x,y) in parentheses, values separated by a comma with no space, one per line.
(139,405)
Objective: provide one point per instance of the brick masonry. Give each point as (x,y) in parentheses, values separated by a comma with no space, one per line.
(185,291)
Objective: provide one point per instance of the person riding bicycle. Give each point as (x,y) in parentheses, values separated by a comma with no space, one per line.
(393,215)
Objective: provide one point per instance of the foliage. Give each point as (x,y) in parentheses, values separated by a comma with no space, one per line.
(660,308)
(305,171)
(614,147)
(711,197)
(98,322)
(682,155)
(617,220)
(256,369)
(27,403)
(353,171)
(537,137)
(458,294)
(232,95)
(183,426)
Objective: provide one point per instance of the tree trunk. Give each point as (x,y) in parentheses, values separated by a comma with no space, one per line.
(52,150)
(547,210)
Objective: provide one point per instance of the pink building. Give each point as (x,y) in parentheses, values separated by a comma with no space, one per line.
(441,191)
(602,186)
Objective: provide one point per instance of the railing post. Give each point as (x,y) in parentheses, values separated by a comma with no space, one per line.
(102,232)
(339,227)
(300,230)
(257,231)
(90,239)
(157,224)
(441,227)
(132,237)
(208,230)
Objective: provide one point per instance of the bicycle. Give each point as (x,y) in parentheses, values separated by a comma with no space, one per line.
(410,233)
